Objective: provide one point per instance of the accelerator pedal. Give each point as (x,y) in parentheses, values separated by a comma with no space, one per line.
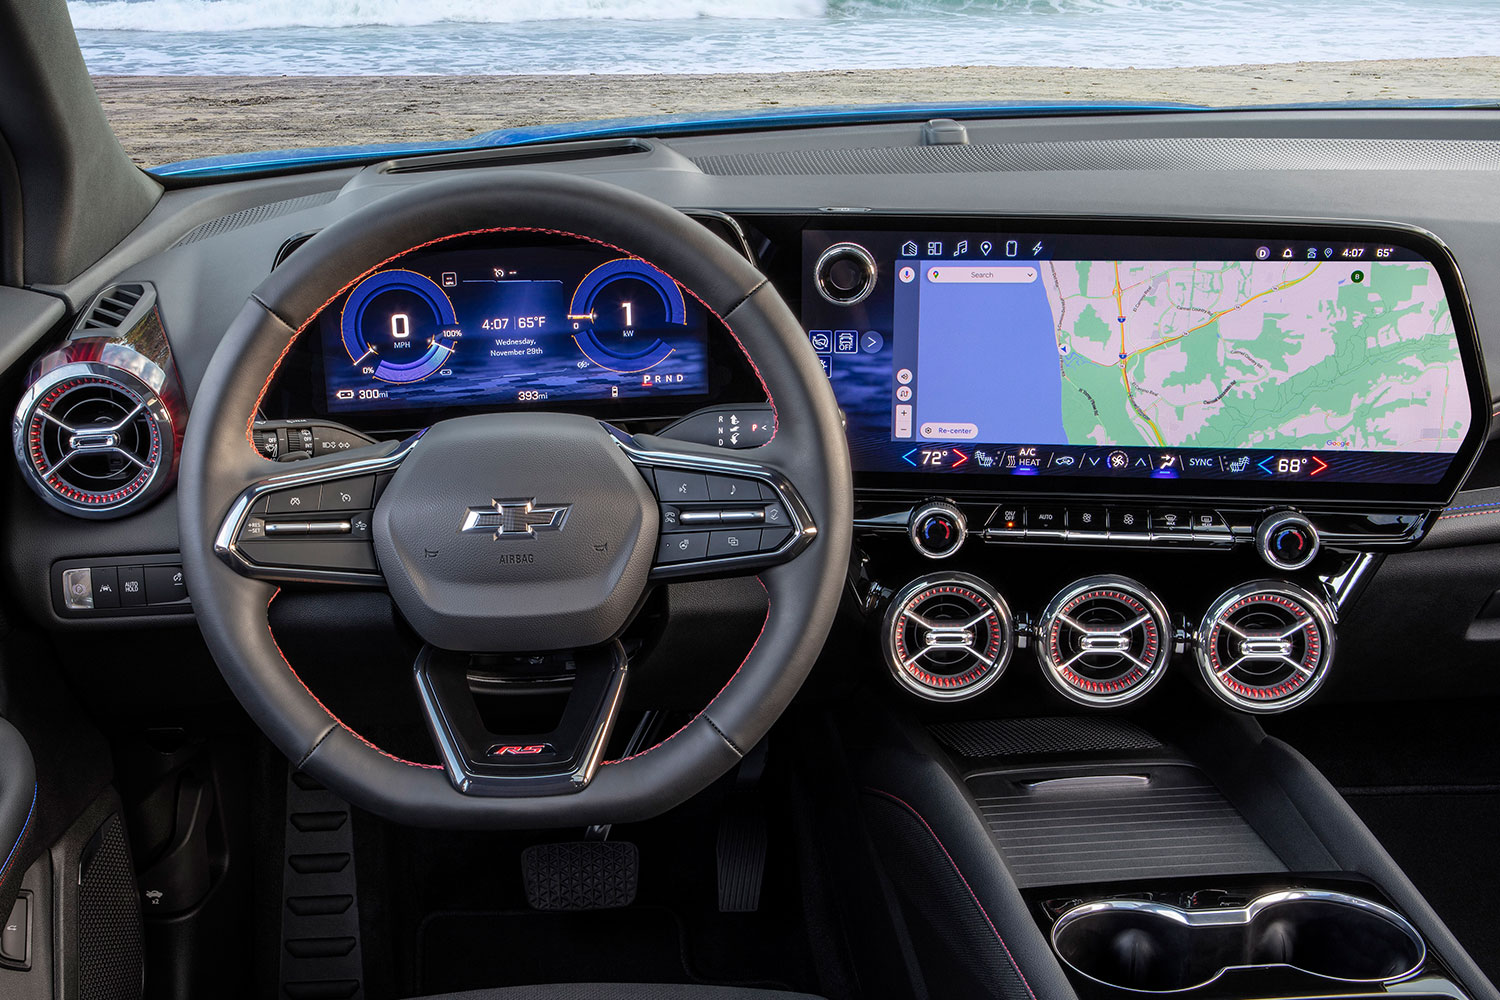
(743,840)
(320,951)
(581,875)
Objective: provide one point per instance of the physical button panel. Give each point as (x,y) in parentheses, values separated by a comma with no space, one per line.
(1187,525)
(317,526)
(710,518)
(1093,523)
(120,586)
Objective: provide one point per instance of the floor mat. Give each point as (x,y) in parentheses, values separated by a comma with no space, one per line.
(638,944)
(1425,778)
(1444,842)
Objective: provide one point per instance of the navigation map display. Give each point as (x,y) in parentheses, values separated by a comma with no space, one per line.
(525,326)
(1168,358)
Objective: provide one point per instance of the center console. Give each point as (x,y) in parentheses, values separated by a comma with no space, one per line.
(1116,482)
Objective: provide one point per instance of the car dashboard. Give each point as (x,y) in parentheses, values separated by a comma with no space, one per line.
(1118,389)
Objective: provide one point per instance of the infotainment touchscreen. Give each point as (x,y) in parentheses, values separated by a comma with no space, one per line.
(1142,357)
(523,326)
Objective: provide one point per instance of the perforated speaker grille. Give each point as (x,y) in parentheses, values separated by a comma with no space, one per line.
(250,216)
(1280,154)
(109,919)
(985,738)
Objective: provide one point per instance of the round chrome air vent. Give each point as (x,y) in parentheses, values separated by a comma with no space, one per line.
(948,636)
(1265,646)
(1104,641)
(93,438)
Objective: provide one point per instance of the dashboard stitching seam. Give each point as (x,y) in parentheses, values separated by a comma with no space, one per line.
(1470,513)
(704,712)
(318,701)
(959,872)
(15,849)
(266,387)
(1471,506)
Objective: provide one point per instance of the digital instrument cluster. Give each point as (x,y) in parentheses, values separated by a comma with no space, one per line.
(512,326)
(1209,360)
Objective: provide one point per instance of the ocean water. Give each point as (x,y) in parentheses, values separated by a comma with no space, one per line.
(337,37)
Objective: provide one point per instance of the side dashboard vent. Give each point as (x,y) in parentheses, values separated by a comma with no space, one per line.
(99,426)
(113,307)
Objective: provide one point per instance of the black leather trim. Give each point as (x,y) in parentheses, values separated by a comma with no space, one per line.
(1308,823)
(809,448)
(622,991)
(903,765)
(18,794)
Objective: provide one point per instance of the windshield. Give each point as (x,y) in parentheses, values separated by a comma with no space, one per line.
(184,79)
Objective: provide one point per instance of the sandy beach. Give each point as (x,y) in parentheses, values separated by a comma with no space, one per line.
(164,119)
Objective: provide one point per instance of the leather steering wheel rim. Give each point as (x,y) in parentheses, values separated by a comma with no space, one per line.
(809,448)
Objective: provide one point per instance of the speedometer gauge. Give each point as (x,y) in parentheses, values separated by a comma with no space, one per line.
(398,326)
(620,310)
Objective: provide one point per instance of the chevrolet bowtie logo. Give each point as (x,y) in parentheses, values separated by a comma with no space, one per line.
(515,518)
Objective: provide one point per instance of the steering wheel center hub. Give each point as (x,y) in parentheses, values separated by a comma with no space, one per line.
(516,532)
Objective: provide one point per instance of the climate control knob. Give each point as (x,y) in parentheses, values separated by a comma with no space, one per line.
(1286,540)
(938,529)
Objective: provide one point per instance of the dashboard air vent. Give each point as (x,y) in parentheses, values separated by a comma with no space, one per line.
(113,307)
(1104,641)
(948,636)
(1265,646)
(93,443)
(100,423)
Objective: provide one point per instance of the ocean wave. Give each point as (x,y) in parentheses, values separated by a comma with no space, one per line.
(240,15)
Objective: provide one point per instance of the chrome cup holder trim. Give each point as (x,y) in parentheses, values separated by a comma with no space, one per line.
(1243,917)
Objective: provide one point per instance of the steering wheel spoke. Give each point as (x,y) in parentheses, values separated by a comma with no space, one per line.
(720,515)
(563,759)
(313,522)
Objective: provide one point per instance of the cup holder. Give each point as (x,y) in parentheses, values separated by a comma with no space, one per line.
(1155,948)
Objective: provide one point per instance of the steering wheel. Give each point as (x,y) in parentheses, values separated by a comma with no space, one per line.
(513,532)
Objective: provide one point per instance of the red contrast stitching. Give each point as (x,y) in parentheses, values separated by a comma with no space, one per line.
(266,387)
(972,895)
(1470,513)
(684,726)
(335,718)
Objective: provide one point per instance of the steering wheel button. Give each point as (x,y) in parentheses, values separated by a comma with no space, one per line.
(739,542)
(302,500)
(682,547)
(773,538)
(736,490)
(672,485)
(348,494)
(776,516)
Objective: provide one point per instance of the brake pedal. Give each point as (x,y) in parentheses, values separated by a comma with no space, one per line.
(742,855)
(581,875)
